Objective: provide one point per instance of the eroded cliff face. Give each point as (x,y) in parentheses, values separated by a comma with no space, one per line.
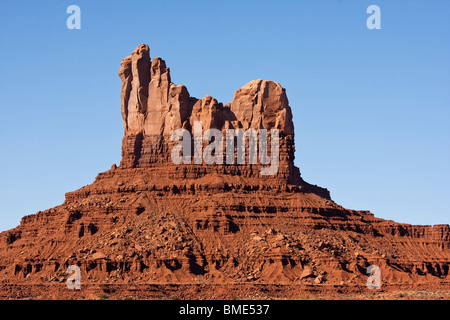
(153,108)
(151,221)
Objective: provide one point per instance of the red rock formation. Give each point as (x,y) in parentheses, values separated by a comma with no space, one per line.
(150,220)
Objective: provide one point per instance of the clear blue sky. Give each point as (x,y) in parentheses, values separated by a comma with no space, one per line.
(371,107)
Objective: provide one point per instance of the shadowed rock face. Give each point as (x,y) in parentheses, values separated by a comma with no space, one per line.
(150,220)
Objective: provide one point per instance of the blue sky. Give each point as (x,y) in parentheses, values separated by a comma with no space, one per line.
(371,107)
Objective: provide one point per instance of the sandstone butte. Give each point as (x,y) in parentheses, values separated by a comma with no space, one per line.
(153,228)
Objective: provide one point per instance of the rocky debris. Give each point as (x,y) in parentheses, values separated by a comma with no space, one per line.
(151,221)
(307,272)
(98,256)
(318,279)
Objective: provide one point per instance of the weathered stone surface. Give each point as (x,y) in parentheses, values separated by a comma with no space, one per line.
(152,114)
(135,76)
(263,104)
